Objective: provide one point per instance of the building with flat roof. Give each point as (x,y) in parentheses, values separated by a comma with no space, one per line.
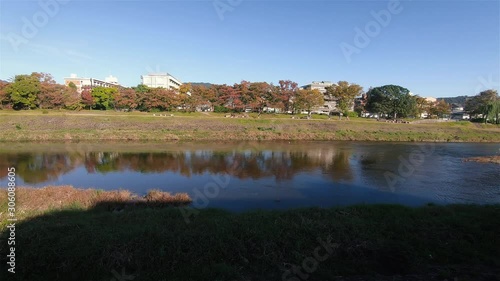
(318,85)
(161,80)
(82,83)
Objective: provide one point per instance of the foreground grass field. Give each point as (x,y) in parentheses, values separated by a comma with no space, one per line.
(138,126)
(71,241)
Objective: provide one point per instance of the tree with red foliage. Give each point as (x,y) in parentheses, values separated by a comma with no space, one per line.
(87,99)
(4,97)
(127,99)
(286,94)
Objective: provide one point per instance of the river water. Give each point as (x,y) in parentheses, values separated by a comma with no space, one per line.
(267,175)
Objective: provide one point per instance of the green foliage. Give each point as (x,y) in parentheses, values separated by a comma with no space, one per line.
(72,85)
(393,100)
(103,97)
(23,91)
(345,94)
(485,105)
(221,109)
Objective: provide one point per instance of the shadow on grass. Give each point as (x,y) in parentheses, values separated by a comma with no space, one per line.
(113,241)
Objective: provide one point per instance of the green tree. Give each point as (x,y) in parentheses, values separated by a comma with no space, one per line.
(485,104)
(308,99)
(23,91)
(103,97)
(392,100)
(345,94)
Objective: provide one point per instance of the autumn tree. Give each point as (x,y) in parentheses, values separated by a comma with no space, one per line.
(308,99)
(345,94)
(287,90)
(421,106)
(259,96)
(126,99)
(87,99)
(439,108)
(159,99)
(4,98)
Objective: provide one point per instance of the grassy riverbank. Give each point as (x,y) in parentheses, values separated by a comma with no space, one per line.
(138,126)
(71,241)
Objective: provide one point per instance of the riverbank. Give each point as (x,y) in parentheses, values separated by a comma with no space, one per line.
(366,242)
(138,126)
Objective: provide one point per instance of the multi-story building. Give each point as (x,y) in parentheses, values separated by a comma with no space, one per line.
(318,85)
(82,83)
(161,80)
(330,105)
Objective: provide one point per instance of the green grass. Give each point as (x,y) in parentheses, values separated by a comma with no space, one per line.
(157,244)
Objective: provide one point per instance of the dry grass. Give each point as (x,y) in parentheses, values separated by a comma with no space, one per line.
(158,197)
(37,200)
(484,159)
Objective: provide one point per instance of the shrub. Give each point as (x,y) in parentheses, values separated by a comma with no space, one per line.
(221,109)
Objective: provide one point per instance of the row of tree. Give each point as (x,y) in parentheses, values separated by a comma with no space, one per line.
(39,90)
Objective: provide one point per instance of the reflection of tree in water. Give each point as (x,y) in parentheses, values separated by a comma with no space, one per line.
(37,168)
(339,169)
(282,165)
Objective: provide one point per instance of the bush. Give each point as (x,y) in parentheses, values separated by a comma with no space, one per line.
(352,114)
(221,109)
(45,111)
(154,110)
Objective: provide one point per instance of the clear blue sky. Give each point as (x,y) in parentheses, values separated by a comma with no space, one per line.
(438,49)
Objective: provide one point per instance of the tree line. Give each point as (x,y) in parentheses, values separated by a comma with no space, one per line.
(39,90)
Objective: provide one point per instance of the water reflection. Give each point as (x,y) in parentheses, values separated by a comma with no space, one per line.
(35,168)
(316,173)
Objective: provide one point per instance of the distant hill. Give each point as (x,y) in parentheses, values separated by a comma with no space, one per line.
(208,85)
(457,100)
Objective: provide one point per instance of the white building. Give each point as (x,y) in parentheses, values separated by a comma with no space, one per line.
(161,80)
(81,82)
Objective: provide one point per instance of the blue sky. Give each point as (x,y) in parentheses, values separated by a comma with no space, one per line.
(438,49)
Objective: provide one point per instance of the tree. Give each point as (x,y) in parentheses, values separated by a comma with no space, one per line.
(421,106)
(87,99)
(159,99)
(4,97)
(126,99)
(286,93)
(23,91)
(345,94)
(307,99)
(52,96)
(485,104)
(392,100)
(103,97)
(439,108)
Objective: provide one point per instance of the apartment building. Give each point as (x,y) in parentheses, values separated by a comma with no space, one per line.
(161,80)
